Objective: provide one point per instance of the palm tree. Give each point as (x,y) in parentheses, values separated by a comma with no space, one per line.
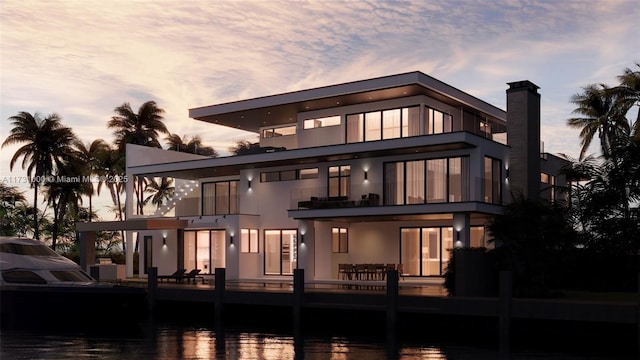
(160,191)
(110,168)
(88,155)
(601,115)
(141,128)
(245,147)
(10,199)
(192,146)
(64,194)
(629,91)
(47,142)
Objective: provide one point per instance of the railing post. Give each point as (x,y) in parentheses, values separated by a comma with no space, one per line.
(220,284)
(504,312)
(152,287)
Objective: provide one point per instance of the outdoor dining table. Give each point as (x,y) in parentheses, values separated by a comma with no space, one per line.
(365,271)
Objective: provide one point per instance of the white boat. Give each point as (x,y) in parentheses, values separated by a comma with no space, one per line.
(38,285)
(30,262)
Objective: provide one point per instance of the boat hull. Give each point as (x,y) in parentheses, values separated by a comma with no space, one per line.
(60,306)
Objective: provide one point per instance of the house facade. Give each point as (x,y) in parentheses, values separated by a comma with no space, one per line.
(390,170)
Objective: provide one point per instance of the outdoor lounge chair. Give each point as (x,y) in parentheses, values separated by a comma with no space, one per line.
(193,274)
(177,276)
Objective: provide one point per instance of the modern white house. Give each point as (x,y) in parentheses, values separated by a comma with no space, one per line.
(389,170)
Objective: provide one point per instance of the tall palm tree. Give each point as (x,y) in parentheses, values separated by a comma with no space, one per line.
(192,146)
(601,115)
(47,142)
(110,168)
(141,128)
(64,195)
(88,155)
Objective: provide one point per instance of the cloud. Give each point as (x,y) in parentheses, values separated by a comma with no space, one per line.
(85,58)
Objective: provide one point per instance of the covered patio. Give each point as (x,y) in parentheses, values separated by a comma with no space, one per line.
(88,231)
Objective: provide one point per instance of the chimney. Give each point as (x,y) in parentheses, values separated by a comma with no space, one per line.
(523,136)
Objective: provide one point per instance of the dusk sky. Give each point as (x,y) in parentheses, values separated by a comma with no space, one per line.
(81,59)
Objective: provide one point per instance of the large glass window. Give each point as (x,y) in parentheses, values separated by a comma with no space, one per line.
(220,198)
(355,128)
(424,251)
(322,122)
(437,122)
(248,240)
(458,179)
(280,252)
(426,181)
(492,180)
(339,240)
(204,250)
(385,124)
(394,183)
(415,182)
(340,181)
(279,131)
(372,126)
(437,180)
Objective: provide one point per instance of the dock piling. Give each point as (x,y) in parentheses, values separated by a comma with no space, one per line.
(298,295)
(152,286)
(504,312)
(220,284)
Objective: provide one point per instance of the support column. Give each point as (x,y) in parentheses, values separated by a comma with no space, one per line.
(87,249)
(129,253)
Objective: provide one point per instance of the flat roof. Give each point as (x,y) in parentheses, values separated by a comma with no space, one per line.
(274,110)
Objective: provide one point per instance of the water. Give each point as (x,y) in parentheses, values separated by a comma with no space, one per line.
(172,340)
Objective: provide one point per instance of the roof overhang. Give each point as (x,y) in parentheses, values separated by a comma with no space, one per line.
(251,114)
(132,225)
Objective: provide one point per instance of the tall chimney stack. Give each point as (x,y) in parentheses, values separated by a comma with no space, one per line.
(523,136)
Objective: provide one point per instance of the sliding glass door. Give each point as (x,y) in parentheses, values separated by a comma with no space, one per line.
(280,252)
(204,250)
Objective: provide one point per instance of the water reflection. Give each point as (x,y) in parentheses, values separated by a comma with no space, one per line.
(170,341)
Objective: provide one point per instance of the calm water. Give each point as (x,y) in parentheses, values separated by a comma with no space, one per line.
(170,340)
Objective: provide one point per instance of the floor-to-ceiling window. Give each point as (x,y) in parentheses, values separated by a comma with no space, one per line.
(424,251)
(280,252)
(383,124)
(204,250)
(220,198)
(492,180)
(426,181)
(340,180)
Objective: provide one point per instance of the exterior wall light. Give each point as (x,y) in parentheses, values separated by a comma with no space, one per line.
(366,175)
(164,241)
(249,184)
(507,174)
(302,239)
(231,238)
(457,235)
